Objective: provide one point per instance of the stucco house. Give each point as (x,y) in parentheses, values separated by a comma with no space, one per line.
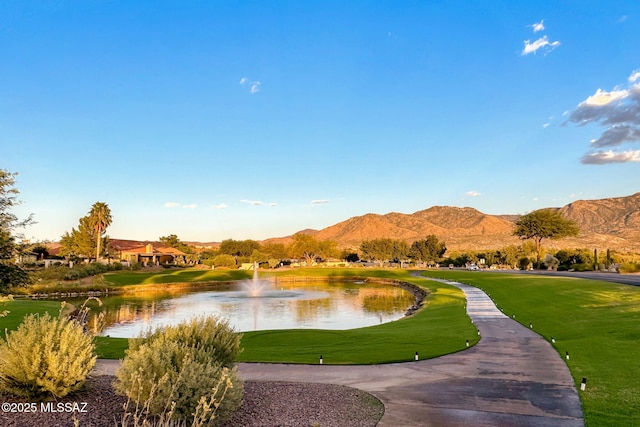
(149,253)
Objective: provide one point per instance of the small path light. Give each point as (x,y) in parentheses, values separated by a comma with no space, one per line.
(321,360)
(567,355)
(553,340)
(584,384)
(467,343)
(530,325)
(417,357)
(514,316)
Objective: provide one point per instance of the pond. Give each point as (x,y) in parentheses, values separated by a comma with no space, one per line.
(252,306)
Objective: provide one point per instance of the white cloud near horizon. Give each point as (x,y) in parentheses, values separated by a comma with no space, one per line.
(634,76)
(258,202)
(190,206)
(542,43)
(171,205)
(537,26)
(220,206)
(253,202)
(319,202)
(472,193)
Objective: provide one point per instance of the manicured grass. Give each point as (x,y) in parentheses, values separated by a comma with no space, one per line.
(597,322)
(441,327)
(19,308)
(191,275)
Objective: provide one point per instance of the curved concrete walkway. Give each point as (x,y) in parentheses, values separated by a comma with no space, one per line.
(512,377)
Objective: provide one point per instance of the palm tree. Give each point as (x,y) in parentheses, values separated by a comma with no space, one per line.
(100,219)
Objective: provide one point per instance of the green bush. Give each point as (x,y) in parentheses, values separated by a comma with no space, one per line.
(46,356)
(174,369)
(225,260)
(629,267)
(12,275)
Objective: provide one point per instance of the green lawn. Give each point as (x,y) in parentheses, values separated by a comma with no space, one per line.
(597,322)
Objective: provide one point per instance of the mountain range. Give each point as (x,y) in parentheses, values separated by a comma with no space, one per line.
(612,223)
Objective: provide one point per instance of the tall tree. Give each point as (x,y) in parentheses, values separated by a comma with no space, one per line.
(238,248)
(99,219)
(308,247)
(544,224)
(81,242)
(10,274)
(173,241)
(428,250)
(381,250)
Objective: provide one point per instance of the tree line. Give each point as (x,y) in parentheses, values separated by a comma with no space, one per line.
(89,241)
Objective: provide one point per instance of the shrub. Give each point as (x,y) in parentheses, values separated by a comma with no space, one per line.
(225,260)
(629,267)
(46,356)
(12,275)
(176,368)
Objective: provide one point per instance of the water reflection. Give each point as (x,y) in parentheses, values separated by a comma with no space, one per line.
(334,305)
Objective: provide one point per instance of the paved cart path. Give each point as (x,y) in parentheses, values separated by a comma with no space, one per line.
(512,377)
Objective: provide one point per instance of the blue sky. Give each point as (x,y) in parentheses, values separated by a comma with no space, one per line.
(236,119)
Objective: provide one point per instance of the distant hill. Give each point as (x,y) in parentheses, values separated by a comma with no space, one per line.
(607,223)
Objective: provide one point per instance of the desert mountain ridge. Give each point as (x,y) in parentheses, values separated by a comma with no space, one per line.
(612,223)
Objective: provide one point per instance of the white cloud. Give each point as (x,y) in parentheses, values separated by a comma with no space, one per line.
(191,206)
(258,202)
(472,193)
(605,157)
(617,135)
(254,87)
(319,202)
(171,205)
(538,26)
(542,43)
(622,19)
(602,97)
(546,125)
(220,206)
(619,111)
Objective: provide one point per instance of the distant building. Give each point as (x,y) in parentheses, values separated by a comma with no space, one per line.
(146,253)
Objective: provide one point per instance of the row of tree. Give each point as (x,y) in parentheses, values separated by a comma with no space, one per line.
(429,250)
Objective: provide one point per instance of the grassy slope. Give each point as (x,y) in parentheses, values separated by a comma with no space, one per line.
(129,278)
(598,323)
